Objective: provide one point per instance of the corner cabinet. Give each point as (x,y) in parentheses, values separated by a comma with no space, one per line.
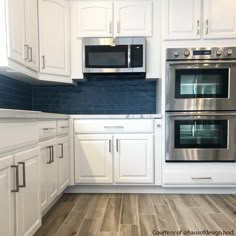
(112,18)
(93,161)
(134,158)
(54,37)
(196,19)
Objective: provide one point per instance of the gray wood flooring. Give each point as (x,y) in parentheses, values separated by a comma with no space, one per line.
(139,214)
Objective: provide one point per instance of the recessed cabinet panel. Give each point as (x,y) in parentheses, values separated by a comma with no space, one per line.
(31,23)
(133,18)
(134,158)
(6,197)
(16,29)
(54,37)
(219,19)
(182,19)
(93,159)
(94,19)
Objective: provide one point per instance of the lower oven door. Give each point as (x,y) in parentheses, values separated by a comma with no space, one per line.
(201,136)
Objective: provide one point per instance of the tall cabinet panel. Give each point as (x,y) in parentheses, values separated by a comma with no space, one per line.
(219,19)
(17,49)
(6,197)
(28,212)
(182,19)
(54,37)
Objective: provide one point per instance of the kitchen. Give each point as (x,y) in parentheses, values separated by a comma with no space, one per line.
(117,117)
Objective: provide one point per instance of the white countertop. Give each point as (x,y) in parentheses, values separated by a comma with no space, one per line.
(135,116)
(25,114)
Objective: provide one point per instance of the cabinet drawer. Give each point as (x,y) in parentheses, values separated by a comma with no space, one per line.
(201,176)
(114,126)
(62,127)
(47,129)
(14,135)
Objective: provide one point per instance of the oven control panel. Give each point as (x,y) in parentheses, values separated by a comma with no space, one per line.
(215,53)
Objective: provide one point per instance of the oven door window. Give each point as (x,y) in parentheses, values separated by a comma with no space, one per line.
(201,133)
(201,83)
(106,56)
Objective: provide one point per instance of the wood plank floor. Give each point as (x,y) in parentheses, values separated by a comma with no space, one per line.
(138,214)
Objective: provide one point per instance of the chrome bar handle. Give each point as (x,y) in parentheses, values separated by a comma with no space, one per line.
(52,149)
(17,179)
(50,155)
(110,149)
(118,26)
(62,150)
(117,145)
(26,53)
(43,61)
(196,178)
(207,24)
(24,182)
(30,59)
(114,127)
(46,129)
(198,27)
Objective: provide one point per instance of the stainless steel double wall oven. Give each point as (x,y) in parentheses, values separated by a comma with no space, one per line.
(201,104)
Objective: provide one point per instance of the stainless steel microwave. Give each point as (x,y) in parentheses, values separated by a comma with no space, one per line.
(114,55)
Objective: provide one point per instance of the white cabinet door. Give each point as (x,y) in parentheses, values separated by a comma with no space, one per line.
(6,197)
(52,173)
(63,163)
(28,213)
(93,159)
(134,158)
(182,19)
(31,23)
(94,19)
(16,31)
(54,37)
(133,18)
(219,19)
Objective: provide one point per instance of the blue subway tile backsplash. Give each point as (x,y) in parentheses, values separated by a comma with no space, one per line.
(15,94)
(94,96)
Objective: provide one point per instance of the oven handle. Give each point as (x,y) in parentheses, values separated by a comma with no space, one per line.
(183,114)
(203,62)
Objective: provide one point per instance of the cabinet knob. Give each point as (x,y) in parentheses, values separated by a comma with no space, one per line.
(158,126)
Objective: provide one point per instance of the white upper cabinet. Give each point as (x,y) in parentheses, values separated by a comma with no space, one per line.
(54,37)
(195,19)
(17,49)
(182,19)
(219,19)
(133,18)
(112,18)
(94,19)
(134,158)
(31,24)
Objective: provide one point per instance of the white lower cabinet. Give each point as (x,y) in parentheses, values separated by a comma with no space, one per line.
(122,158)
(63,163)
(134,158)
(28,212)
(6,197)
(20,198)
(48,172)
(93,159)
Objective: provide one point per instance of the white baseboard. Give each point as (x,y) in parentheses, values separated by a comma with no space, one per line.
(150,189)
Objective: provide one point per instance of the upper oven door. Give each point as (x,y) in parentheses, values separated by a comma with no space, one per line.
(200,137)
(201,85)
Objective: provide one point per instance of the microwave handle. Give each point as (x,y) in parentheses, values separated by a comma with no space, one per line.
(129,56)
(184,114)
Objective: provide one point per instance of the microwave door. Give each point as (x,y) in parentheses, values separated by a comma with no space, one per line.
(106,59)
